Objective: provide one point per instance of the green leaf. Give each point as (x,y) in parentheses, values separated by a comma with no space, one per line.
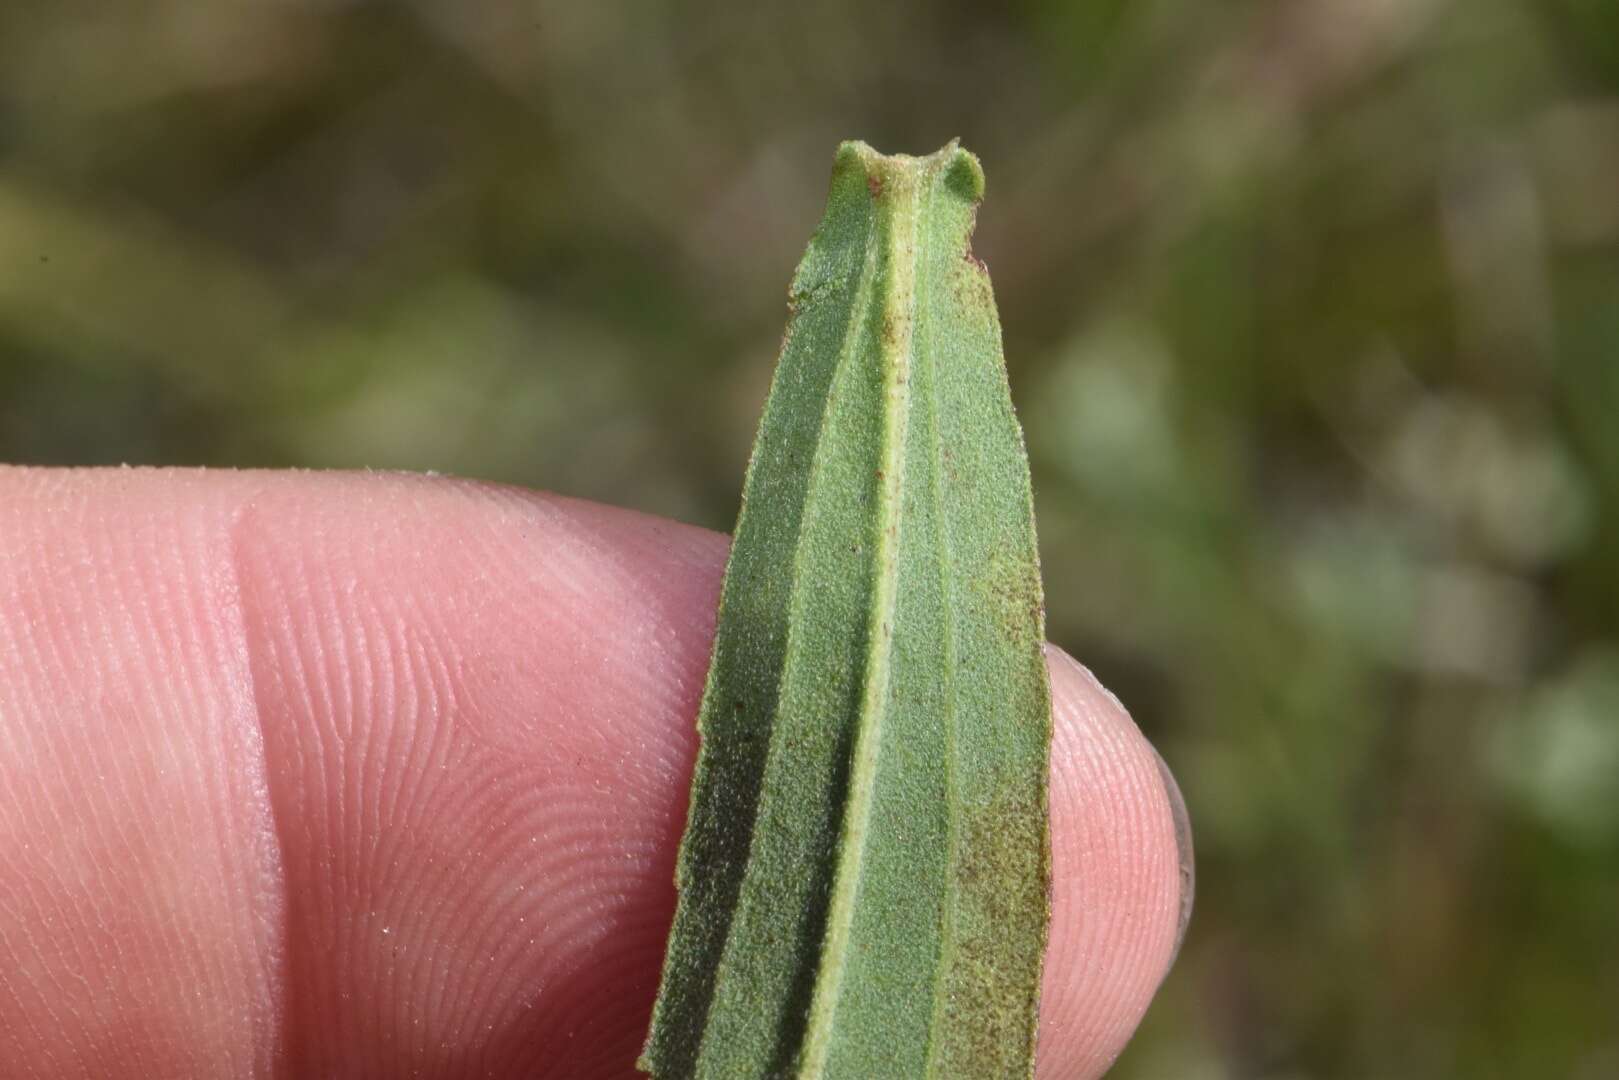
(863,883)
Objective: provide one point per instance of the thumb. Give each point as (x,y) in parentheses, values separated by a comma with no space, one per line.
(359,775)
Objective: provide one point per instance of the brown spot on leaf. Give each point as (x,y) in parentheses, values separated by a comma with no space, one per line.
(1010,590)
(1003,904)
(890,329)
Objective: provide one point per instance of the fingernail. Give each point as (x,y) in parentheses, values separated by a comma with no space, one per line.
(1183,849)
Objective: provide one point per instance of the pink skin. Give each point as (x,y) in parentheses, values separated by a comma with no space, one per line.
(360,775)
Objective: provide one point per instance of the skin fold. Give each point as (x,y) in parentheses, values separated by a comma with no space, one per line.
(377,775)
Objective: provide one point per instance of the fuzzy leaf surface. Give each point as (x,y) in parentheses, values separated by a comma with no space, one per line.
(864,878)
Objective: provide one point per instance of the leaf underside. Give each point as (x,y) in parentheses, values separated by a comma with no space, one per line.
(863,882)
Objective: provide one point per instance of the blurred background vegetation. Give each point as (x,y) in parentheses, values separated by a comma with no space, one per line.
(1311,306)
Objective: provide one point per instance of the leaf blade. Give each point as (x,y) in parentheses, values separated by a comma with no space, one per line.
(863,832)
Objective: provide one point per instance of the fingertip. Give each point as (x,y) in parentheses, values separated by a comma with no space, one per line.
(1116,877)
(475,703)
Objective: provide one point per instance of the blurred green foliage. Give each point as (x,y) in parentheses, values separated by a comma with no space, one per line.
(1312,307)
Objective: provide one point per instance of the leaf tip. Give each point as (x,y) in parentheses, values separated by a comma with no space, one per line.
(963,175)
(855,157)
(859,159)
(957,169)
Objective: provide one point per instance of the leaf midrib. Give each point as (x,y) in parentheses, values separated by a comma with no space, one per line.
(899,314)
